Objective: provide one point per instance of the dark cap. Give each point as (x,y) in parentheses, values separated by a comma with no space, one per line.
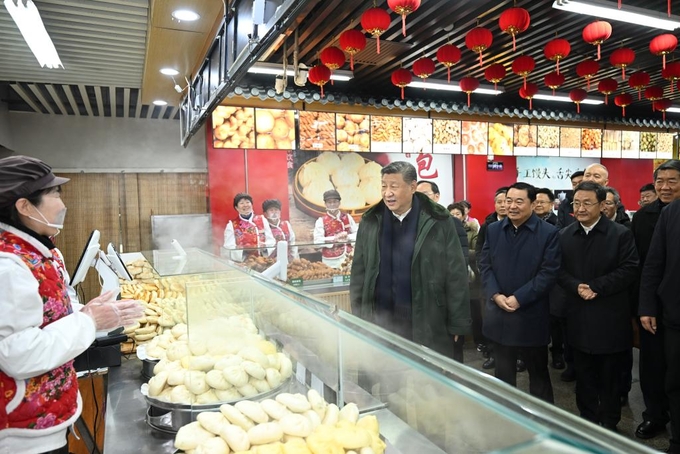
(331,194)
(21,176)
(240,196)
(270,203)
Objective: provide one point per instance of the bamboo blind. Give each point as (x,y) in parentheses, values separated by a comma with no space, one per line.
(120,206)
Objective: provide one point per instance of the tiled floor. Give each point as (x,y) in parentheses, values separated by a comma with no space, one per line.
(631,414)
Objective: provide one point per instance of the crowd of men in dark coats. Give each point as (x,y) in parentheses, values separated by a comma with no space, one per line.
(581,277)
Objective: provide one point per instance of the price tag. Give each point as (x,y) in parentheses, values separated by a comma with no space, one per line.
(345,278)
(297,282)
(338,279)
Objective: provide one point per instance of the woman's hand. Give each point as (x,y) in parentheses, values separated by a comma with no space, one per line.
(108,314)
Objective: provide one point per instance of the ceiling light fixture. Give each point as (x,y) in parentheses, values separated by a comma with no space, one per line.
(610,10)
(547,96)
(276,69)
(185,15)
(673,109)
(433,84)
(160,102)
(169,71)
(28,20)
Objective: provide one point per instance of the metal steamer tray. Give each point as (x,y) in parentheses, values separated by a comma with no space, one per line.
(168,417)
(148,363)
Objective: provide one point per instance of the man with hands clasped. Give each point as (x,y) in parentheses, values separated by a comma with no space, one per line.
(599,264)
(519,265)
(42,328)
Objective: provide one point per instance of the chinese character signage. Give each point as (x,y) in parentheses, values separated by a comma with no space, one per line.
(550,172)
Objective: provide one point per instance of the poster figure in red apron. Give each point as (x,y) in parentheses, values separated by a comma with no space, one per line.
(248,234)
(334,227)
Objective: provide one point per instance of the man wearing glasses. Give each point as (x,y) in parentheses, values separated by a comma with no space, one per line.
(599,262)
(519,265)
(543,206)
(611,208)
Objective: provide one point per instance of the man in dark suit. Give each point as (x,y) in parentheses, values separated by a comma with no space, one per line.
(599,262)
(652,356)
(659,290)
(519,265)
(544,204)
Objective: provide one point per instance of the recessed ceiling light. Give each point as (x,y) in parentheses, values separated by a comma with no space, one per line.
(160,102)
(169,71)
(185,15)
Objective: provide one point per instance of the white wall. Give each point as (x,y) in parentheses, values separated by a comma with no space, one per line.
(93,144)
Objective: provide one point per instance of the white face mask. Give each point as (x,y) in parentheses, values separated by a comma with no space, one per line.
(58,222)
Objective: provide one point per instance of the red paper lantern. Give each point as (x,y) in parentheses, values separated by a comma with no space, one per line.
(607,87)
(401,78)
(478,40)
(376,21)
(663,45)
(623,100)
(671,73)
(332,58)
(319,75)
(468,85)
(352,41)
(621,58)
(522,66)
(662,105)
(638,81)
(587,69)
(423,67)
(556,50)
(654,93)
(554,81)
(596,33)
(578,95)
(514,21)
(494,74)
(448,55)
(529,92)
(403,8)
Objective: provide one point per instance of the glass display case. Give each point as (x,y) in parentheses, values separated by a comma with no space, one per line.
(424,402)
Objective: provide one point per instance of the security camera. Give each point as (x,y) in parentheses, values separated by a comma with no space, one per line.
(279,85)
(300,78)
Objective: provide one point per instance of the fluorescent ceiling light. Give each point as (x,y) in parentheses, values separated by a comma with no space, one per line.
(185,15)
(160,102)
(453,86)
(32,29)
(275,69)
(673,109)
(169,71)
(565,98)
(610,10)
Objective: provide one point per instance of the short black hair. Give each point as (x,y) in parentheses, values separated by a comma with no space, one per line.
(520,186)
(647,187)
(501,190)
(615,193)
(456,206)
(467,204)
(672,164)
(578,173)
(598,189)
(546,191)
(406,169)
(433,185)
(240,196)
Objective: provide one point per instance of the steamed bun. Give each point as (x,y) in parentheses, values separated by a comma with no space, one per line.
(352,162)
(371,188)
(352,198)
(329,160)
(314,192)
(311,171)
(345,177)
(370,170)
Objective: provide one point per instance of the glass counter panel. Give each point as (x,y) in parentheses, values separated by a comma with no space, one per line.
(168,262)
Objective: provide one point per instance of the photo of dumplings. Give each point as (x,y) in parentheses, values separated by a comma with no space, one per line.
(356,178)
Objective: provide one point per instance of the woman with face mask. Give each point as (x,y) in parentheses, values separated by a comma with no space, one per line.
(281,230)
(42,327)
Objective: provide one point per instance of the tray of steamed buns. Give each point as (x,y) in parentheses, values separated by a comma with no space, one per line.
(194,373)
(356,179)
(285,424)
